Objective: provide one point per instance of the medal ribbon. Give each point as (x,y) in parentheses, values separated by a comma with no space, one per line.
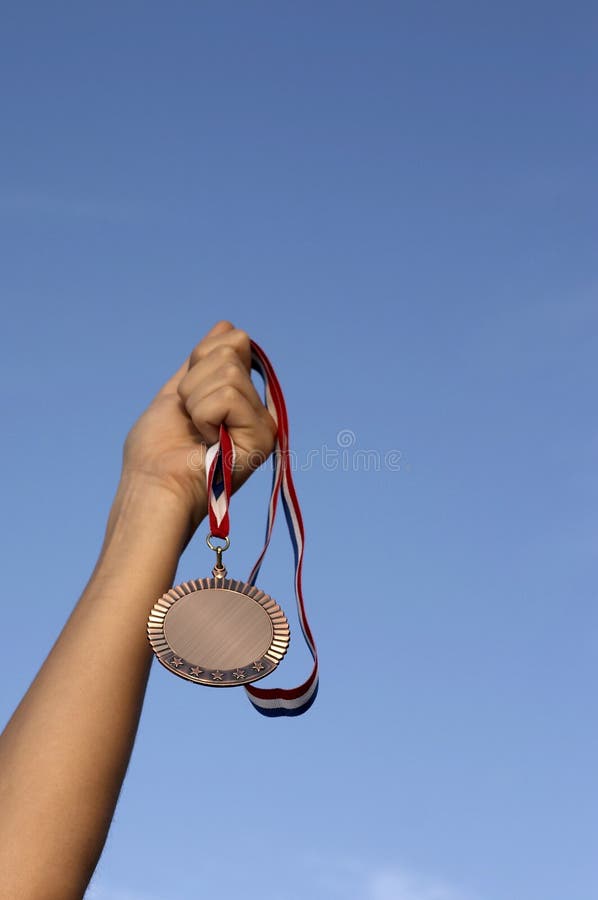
(220,460)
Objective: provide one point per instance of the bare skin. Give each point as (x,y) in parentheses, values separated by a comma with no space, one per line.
(65,751)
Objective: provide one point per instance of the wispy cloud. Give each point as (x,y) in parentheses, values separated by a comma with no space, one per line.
(397,884)
(350,879)
(329,878)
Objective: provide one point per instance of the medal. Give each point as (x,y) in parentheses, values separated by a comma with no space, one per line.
(221,632)
(218,631)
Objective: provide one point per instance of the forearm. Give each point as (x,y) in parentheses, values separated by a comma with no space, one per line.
(64,753)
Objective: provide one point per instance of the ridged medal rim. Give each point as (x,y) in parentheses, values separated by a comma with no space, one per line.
(230,677)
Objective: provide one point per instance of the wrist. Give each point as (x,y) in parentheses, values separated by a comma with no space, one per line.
(146,512)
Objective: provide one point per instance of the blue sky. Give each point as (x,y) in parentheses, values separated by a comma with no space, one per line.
(398,202)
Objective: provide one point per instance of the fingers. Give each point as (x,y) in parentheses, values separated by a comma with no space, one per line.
(220,328)
(253,428)
(221,361)
(223,335)
(211,376)
(217,389)
(222,364)
(213,387)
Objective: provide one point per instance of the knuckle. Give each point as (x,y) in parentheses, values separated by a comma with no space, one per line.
(195,355)
(229,394)
(230,372)
(242,338)
(242,344)
(225,353)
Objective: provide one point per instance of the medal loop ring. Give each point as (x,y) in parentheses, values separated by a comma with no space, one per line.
(218,547)
(219,571)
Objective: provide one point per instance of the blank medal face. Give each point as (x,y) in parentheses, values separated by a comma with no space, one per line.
(218,632)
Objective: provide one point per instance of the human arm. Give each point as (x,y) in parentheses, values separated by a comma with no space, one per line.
(65,751)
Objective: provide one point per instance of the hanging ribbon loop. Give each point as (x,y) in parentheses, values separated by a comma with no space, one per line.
(220,459)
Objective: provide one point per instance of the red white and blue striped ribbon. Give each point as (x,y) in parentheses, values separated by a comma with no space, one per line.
(219,464)
(220,461)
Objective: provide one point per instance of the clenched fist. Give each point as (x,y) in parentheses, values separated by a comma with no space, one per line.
(168,442)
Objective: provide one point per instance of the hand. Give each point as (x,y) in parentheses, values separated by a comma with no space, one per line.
(168,442)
